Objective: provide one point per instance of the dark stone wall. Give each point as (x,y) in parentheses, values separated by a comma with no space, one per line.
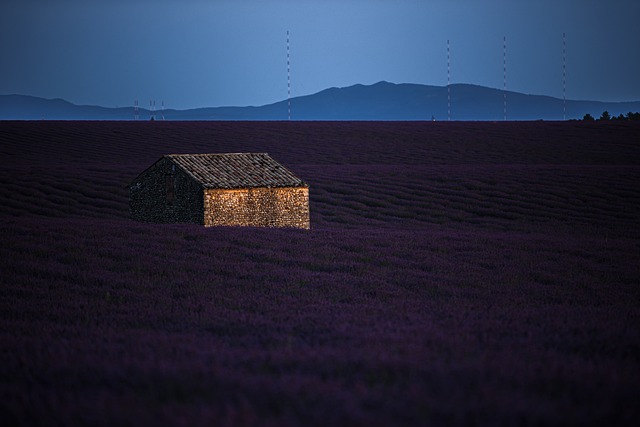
(166,194)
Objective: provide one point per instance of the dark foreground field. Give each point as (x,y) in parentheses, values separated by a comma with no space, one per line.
(455,273)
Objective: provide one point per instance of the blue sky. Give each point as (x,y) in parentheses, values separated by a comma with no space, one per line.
(196,53)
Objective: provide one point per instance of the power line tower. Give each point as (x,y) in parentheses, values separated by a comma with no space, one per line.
(504,80)
(448,82)
(288,80)
(564,76)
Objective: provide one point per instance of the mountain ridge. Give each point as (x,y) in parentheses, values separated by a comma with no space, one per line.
(382,101)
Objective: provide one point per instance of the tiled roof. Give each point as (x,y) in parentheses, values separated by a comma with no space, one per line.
(236,170)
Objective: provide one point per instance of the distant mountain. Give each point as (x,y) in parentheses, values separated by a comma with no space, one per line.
(23,107)
(380,101)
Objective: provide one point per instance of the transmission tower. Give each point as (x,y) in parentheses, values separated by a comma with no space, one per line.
(504,81)
(152,109)
(448,82)
(288,80)
(564,76)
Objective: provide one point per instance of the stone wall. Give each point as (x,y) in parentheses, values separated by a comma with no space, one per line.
(257,207)
(166,194)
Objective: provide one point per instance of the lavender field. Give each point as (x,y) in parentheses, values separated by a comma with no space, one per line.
(454,273)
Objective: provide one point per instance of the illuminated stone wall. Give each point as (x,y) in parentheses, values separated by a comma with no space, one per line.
(257,207)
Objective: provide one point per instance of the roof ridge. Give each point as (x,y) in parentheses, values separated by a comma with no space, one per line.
(214,154)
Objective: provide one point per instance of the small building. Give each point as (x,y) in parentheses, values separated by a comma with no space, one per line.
(234,189)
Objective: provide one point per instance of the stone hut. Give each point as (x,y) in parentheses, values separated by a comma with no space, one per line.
(236,189)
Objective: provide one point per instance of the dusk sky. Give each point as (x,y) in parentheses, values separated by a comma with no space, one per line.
(198,53)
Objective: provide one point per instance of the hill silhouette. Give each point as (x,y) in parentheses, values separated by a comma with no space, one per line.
(380,101)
